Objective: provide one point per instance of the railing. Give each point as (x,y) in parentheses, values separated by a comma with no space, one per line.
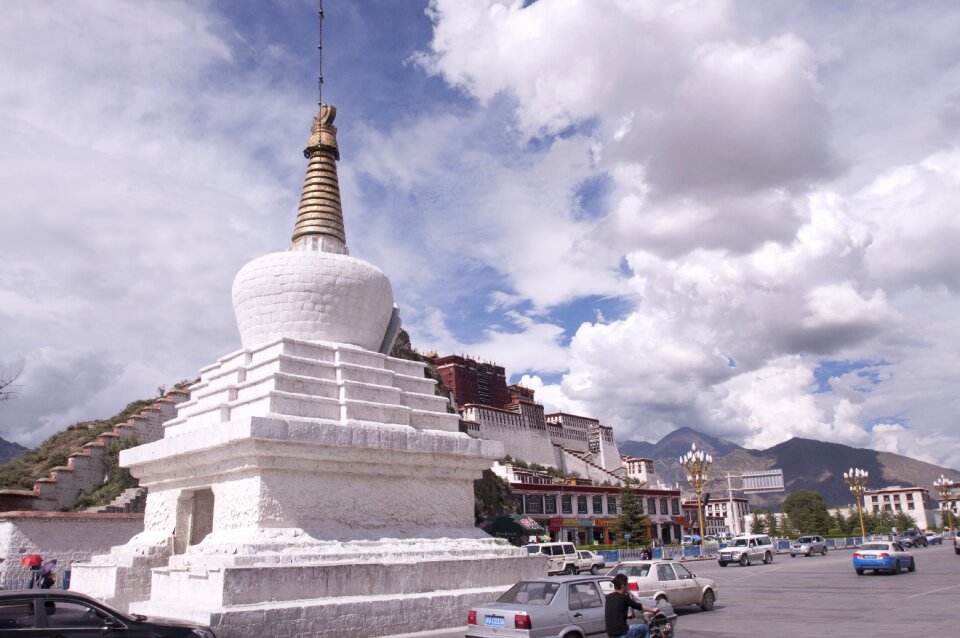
(26,578)
(710,550)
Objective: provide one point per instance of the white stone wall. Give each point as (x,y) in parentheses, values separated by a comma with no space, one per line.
(68,537)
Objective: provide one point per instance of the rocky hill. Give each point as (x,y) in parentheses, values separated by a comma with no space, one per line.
(10,450)
(806,464)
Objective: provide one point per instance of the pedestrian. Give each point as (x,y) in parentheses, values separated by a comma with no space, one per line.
(617,606)
(48,578)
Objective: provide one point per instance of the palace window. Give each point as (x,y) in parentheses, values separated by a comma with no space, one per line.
(534,504)
(582,505)
(598,505)
(550,504)
(651,506)
(676,507)
(566,504)
(611,505)
(664,506)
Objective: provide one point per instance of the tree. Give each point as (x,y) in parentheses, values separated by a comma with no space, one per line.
(807,512)
(632,519)
(6,386)
(759,521)
(491,496)
(773,525)
(904,521)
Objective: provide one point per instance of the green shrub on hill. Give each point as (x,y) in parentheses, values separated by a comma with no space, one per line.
(21,473)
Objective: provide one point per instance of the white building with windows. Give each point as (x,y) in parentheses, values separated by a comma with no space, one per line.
(914,501)
(732,511)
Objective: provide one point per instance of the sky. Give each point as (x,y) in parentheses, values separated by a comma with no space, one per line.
(739,217)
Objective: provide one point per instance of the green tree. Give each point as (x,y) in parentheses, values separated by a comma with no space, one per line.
(807,512)
(773,525)
(904,521)
(759,521)
(491,496)
(632,519)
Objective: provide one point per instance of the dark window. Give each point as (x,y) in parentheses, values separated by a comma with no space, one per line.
(566,504)
(611,505)
(584,596)
(598,505)
(652,506)
(16,614)
(550,504)
(518,501)
(534,504)
(67,614)
(676,507)
(582,505)
(665,572)
(664,507)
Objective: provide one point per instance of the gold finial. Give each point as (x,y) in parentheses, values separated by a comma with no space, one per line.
(320,213)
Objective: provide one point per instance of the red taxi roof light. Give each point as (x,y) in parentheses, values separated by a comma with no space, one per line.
(522,621)
(471,617)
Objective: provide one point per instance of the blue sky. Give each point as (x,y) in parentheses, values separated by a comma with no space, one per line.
(615,199)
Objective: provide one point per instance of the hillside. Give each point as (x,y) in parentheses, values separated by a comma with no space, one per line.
(806,464)
(21,472)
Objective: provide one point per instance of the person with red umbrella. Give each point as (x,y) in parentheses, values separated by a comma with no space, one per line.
(33,561)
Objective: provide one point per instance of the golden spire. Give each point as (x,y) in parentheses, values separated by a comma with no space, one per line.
(320,214)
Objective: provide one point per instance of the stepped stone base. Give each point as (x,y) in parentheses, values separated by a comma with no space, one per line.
(316,487)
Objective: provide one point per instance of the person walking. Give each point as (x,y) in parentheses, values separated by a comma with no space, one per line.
(616,608)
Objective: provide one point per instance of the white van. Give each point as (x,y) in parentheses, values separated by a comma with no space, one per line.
(746,549)
(562,557)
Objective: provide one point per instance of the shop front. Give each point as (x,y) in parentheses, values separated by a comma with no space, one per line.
(582,531)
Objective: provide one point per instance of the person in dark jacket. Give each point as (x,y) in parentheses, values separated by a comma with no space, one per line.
(617,607)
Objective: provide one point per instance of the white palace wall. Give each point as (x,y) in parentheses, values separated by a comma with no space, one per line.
(66,536)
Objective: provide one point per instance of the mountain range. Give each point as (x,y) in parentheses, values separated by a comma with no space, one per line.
(10,450)
(806,464)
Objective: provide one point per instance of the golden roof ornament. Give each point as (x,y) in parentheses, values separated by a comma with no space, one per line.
(320,214)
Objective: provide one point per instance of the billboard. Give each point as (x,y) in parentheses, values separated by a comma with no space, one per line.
(762,482)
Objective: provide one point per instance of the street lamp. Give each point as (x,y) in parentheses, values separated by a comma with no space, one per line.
(697,463)
(857,480)
(944,485)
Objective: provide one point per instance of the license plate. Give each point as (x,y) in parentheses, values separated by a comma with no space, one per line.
(493,621)
(869,556)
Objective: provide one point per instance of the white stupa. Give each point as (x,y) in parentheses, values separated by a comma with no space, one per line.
(312,485)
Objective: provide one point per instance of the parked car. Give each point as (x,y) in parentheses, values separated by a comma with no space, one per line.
(668,580)
(746,549)
(46,612)
(691,539)
(548,607)
(934,539)
(562,556)
(913,538)
(882,556)
(808,546)
(589,562)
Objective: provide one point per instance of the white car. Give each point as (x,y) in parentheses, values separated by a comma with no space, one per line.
(589,562)
(668,580)
(747,549)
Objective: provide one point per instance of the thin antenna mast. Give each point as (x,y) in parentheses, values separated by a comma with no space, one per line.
(320,58)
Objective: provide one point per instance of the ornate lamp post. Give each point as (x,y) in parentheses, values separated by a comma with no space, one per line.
(944,485)
(697,463)
(857,480)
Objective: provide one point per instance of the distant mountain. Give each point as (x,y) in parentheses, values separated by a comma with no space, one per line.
(806,464)
(10,450)
(678,443)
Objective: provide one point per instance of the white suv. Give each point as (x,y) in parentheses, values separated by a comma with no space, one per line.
(562,557)
(746,549)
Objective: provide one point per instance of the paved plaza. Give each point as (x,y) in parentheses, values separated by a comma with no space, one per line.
(821,597)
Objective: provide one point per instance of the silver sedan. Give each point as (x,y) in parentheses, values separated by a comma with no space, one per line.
(808,546)
(548,607)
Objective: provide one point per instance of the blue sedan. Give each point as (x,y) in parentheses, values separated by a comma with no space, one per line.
(882,556)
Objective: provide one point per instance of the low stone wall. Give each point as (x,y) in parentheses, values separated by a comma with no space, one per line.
(68,537)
